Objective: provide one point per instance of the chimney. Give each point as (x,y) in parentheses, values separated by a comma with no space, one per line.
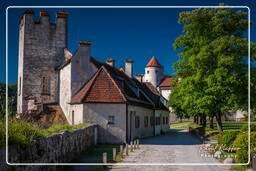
(45,17)
(110,62)
(129,67)
(86,45)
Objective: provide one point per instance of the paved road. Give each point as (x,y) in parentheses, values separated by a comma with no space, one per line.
(178,146)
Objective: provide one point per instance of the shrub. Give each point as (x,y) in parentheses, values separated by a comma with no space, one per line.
(227,137)
(242,142)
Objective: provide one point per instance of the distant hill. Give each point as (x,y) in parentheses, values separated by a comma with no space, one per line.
(12,99)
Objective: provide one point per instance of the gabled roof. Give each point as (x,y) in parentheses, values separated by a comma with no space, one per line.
(166,82)
(101,88)
(110,85)
(153,63)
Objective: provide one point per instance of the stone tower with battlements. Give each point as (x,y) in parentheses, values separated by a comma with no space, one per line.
(41,48)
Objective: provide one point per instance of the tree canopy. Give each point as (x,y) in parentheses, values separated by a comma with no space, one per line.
(213,66)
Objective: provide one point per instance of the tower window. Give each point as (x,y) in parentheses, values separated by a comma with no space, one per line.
(46,85)
(147,72)
(156,71)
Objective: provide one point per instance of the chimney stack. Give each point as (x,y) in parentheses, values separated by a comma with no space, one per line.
(45,17)
(110,62)
(129,67)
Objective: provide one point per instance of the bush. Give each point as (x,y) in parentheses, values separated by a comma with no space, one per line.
(242,142)
(227,137)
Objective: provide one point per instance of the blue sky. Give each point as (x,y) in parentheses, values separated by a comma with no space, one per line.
(136,34)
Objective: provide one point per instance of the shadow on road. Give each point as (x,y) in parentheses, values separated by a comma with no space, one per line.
(173,137)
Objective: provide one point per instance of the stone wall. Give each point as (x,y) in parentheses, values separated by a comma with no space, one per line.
(58,148)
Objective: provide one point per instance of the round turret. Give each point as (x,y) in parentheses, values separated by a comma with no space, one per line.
(153,72)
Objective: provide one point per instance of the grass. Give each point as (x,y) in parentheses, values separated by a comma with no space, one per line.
(183,125)
(22,133)
(94,155)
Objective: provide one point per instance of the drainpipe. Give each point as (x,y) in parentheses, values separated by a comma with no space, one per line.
(126,137)
(154,128)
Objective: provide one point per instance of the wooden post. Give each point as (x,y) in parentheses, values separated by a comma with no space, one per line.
(138,142)
(121,150)
(104,157)
(131,147)
(114,154)
(127,150)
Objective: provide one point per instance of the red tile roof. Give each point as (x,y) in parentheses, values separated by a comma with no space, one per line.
(152,88)
(101,88)
(153,63)
(166,82)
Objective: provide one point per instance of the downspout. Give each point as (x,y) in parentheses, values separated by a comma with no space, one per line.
(126,137)
(154,123)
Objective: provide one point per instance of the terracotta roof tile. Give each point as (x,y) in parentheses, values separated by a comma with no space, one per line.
(101,88)
(153,63)
(166,82)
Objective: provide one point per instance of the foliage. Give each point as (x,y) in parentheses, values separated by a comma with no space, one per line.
(242,142)
(213,66)
(12,99)
(22,132)
(183,125)
(228,137)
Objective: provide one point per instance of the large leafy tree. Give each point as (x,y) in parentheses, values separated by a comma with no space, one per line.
(213,64)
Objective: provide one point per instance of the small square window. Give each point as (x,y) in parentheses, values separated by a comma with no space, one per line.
(111,119)
(148,72)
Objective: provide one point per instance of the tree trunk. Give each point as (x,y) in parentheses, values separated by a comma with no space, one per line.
(219,122)
(196,119)
(204,121)
(201,120)
(211,122)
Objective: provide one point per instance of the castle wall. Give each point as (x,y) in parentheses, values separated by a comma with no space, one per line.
(40,51)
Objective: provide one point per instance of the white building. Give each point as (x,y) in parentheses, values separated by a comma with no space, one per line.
(82,88)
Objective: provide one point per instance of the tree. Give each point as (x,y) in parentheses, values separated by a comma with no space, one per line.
(213,64)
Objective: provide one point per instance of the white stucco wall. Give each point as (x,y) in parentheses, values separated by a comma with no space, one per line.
(77,110)
(142,131)
(165,93)
(98,113)
(65,90)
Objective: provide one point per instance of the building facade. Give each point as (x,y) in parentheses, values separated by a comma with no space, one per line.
(84,89)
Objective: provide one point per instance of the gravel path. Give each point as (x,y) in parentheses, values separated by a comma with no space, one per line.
(178,146)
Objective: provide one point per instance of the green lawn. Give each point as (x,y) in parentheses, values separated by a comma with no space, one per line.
(183,125)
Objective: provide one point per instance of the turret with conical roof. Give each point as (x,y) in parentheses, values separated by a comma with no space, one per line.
(153,72)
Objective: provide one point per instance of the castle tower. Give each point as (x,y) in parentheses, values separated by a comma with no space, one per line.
(153,72)
(41,47)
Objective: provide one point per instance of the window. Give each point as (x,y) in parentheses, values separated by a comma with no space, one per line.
(46,84)
(167,120)
(152,121)
(164,120)
(147,72)
(156,71)
(146,121)
(158,120)
(137,121)
(111,119)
